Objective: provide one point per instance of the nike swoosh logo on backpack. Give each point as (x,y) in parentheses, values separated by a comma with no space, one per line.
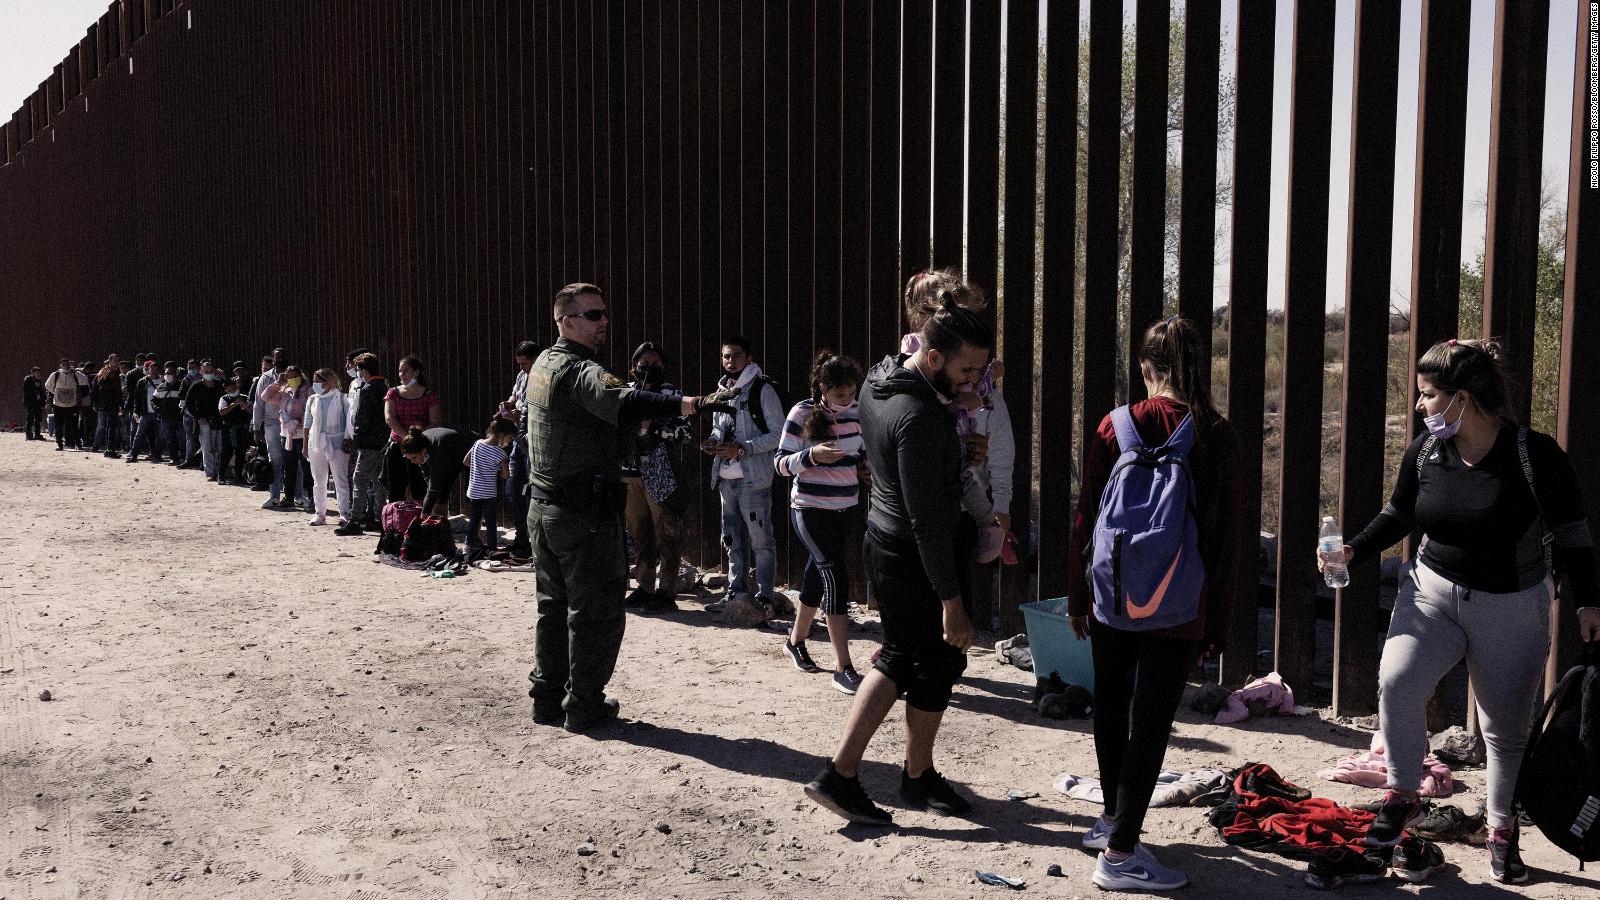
(1135,611)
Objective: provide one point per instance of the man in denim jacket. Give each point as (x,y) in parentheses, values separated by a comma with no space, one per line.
(741,468)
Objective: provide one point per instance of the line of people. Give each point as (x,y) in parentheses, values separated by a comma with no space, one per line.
(922,439)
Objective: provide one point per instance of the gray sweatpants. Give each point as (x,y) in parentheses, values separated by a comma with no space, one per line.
(1504,637)
(366,488)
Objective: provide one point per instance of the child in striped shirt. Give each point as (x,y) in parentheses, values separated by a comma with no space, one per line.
(821,451)
(486,465)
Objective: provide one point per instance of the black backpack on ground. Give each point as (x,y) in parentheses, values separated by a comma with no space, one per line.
(259,471)
(425,540)
(1559,784)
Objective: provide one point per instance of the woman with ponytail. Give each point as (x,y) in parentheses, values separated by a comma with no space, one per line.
(1140,671)
(1489,496)
(821,451)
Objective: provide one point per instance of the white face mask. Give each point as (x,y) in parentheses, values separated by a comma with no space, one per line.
(1437,424)
(352,372)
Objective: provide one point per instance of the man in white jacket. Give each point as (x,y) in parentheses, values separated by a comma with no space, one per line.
(63,387)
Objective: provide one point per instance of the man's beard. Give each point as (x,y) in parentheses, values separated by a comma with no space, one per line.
(942,383)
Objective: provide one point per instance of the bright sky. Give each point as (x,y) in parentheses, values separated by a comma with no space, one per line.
(36,34)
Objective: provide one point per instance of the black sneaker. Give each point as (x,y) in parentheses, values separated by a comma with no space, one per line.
(800,656)
(1415,859)
(931,790)
(1505,860)
(350,530)
(845,798)
(637,598)
(606,715)
(1397,813)
(551,715)
(1352,868)
(659,601)
(847,681)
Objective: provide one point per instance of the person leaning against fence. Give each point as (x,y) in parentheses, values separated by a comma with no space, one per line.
(1159,534)
(1487,495)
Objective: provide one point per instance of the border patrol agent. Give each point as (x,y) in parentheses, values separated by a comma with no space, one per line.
(576,499)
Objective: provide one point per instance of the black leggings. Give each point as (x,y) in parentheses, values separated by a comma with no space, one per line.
(826,581)
(1138,682)
(399,475)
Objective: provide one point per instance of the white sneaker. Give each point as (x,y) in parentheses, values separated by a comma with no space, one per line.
(1098,835)
(1139,872)
(318,521)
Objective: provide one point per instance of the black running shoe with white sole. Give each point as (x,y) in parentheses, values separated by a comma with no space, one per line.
(800,656)
(1352,868)
(1397,813)
(931,790)
(1416,859)
(845,798)
(846,680)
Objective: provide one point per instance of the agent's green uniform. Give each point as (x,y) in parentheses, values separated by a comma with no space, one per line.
(575,448)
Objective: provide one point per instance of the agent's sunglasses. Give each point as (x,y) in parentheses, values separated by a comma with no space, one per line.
(593,315)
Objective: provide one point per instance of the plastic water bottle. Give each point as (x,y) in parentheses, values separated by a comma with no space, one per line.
(1330,546)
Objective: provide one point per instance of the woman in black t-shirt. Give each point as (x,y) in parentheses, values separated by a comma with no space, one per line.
(1484,492)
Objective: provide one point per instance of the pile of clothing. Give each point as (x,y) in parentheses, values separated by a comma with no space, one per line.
(1263,811)
(1268,695)
(1371,769)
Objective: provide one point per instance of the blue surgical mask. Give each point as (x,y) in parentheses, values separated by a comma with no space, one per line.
(1437,424)
(318,388)
(193,372)
(211,377)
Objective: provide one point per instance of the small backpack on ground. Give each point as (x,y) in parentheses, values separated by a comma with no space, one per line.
(1559,784)
(425,540)
(397,518)
(399,515)
(259,471)
(1145,555)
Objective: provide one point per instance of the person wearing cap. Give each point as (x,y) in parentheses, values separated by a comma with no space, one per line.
(167,399)
(88,420)
(233,408)
(63,385)
(34,397)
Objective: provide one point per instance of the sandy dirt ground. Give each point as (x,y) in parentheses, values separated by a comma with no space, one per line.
(247,707)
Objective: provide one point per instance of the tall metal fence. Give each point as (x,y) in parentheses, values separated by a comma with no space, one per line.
(223,177)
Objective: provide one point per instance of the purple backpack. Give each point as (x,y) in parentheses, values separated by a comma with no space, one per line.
(1145,564)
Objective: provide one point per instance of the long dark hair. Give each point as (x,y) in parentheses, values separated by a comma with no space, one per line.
(1477,367)
(829,372)
(1173,348)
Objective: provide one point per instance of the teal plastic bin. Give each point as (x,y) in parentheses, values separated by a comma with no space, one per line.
(1055,648)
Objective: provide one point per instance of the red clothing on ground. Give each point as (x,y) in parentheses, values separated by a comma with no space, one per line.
(1214,465)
